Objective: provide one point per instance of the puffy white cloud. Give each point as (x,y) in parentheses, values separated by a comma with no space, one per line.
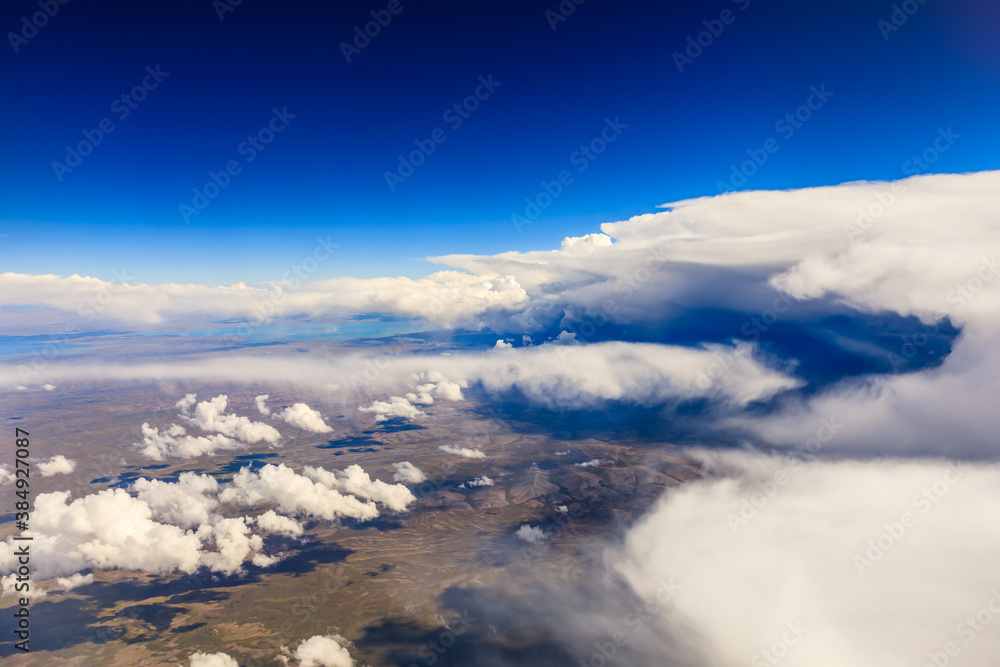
(396,406)
(74,581)
(593,463)
(531,534)
(233,543)
(409,473)
(479,481)
(175,442)
(57,465)
(319,651)
(306,418)
(208,415)
(6,475)
(847,551)
(272,522)
(213,660)
(293,494)
(502,345)
(261,403)
(108,529)
(188,502)
(464,452)
(356,481)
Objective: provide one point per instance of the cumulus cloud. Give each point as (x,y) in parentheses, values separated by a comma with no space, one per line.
(593,463)
(175,442)
(213,660)
(502,345)
(272,522)
(531,534)
(479,481)
(356,481)
(209,416)
(294,494)
(261,403)
(396,406)
(848,552)
(73,581)
(464,452)
(319,651)
(6,475)
(57,465)
(302,416)
(407,472)
(188,502)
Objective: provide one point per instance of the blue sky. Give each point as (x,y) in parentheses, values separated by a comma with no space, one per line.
(324,172)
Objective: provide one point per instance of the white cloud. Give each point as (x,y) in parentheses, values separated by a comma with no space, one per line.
(480,481)
(293,494)
(396,406)
(74,581)
(319,651)
(356,481)
(850,550)
(272,522)
(463,451)
(531,534)
(593,463)
(302,416)
(407,472)
(208,415)
(261,403)
(175,442)
(213,660)
(502,345)
(6,475)
(48,387)
(188,502)
(57,465)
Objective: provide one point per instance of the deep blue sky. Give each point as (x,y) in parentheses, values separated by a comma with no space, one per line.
(324,173)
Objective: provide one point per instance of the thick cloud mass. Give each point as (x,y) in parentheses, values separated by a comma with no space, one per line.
(209,416)
(319,651)
(356,481)
(302,416)
(293,493)
(873,563)
(57,465)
